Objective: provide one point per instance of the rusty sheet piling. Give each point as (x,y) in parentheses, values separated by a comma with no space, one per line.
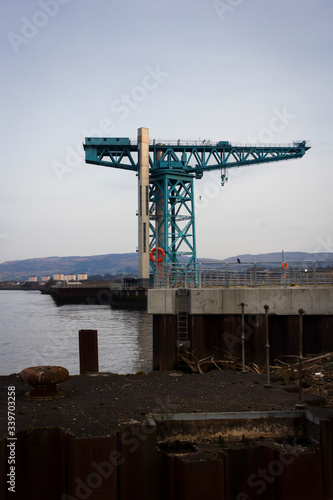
(268,383)
(88,348)
(243,338)
(300,403)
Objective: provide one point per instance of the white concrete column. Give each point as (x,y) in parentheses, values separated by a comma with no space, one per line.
(143,202)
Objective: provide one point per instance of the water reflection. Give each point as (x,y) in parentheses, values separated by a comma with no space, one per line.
(35,331)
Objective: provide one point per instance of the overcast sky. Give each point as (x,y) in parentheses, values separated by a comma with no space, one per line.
(237,70)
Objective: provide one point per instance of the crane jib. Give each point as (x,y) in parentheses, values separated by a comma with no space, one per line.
(192,157)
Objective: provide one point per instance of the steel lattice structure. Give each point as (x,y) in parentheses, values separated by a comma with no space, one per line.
(172,209)
(169,199)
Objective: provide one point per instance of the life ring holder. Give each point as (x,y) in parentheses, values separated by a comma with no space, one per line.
(159,251)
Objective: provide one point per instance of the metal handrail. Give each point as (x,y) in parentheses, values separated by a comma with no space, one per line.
(209,142)
(247,274)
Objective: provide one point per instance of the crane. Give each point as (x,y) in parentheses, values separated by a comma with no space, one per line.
(166,171)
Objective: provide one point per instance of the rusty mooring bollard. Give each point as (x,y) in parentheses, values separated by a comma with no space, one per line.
(300,403)
(44,380)
(88,348)
(268,383)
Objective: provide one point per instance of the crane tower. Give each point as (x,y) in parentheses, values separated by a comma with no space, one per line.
(166,170)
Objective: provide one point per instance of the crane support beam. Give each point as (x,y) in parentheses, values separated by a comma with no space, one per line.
(166,170)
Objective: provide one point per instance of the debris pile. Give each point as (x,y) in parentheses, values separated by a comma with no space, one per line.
(317,374)
(317,370)
(229,362)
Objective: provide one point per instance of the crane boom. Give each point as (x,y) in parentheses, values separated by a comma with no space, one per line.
(191,157)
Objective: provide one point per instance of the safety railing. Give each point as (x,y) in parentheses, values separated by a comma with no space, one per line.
(208,142)
(249,274)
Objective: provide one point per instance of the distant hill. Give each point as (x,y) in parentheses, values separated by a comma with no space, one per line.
(277,257)
(124,263)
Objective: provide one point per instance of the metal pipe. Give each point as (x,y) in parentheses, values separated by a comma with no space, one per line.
(268,383)
(300,403)
(243,305)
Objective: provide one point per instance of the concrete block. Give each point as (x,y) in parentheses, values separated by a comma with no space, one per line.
(196,301)
(282,301)
(231,299)
(212,302)
(302,298)
(170,301)
(322,300)
(156,301)
(278,300)
(249,296)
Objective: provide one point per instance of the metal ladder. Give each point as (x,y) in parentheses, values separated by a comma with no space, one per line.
(183,343)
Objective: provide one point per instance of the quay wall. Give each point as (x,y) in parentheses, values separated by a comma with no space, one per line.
(214,322)
(52,464)
(282,301)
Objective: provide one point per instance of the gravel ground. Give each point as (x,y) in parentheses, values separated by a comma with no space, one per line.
(99,404)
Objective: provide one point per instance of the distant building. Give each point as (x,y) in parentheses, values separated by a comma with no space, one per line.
(46,278)
(70,277)
(82,277)
(33,279)
(59,277)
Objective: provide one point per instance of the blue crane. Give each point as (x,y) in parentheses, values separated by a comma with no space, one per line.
(166,171)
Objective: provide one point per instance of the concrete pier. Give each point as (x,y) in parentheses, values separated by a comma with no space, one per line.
(282,301)
(214,322)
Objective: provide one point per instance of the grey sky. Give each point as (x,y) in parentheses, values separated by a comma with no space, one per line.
(244,71)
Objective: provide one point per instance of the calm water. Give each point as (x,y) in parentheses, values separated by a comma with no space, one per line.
(34,331)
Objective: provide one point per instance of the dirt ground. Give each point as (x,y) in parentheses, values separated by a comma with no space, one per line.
(99,404)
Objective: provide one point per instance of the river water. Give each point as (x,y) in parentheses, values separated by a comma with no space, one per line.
(34,331)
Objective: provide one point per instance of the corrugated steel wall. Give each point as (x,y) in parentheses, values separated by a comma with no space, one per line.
(53,465)
(215,334)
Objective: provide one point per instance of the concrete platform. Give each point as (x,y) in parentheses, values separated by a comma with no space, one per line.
(281,301)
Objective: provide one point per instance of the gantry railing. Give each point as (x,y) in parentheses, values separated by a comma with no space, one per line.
(249,274)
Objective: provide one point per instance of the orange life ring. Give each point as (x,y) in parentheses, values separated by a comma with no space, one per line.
(284,265)
(160,251)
